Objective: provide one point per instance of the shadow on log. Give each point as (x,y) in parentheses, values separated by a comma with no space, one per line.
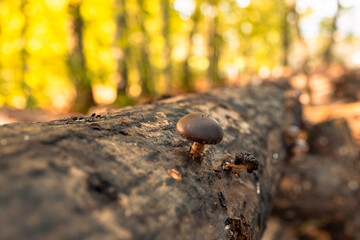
(128,174)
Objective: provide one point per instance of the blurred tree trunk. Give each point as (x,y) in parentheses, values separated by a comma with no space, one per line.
(327,56)
(286,37)
(213,70)
(122,43)
(144,61)
(76,63)
(30,101)
(304,67)
(187,77)
(165,4)
(23,53)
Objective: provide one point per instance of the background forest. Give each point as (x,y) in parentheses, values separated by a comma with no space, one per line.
(69,55)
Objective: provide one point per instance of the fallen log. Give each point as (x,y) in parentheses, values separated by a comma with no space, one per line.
(323,185)
(127,174)
(349,111)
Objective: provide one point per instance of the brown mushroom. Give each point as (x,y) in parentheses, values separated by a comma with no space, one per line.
(201,129)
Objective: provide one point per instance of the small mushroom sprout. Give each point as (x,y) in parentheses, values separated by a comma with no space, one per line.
(243,161)
(201,129)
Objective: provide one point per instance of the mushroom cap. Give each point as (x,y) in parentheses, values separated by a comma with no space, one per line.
(200,128)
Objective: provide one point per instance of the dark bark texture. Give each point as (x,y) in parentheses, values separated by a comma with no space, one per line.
(106,176)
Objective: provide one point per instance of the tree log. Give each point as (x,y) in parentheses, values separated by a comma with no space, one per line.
(349,111)
(128,174)
(324,184)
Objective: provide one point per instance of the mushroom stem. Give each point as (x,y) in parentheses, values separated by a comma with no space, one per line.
(197,150)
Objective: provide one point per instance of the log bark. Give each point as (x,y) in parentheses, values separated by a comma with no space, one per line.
(128,174)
